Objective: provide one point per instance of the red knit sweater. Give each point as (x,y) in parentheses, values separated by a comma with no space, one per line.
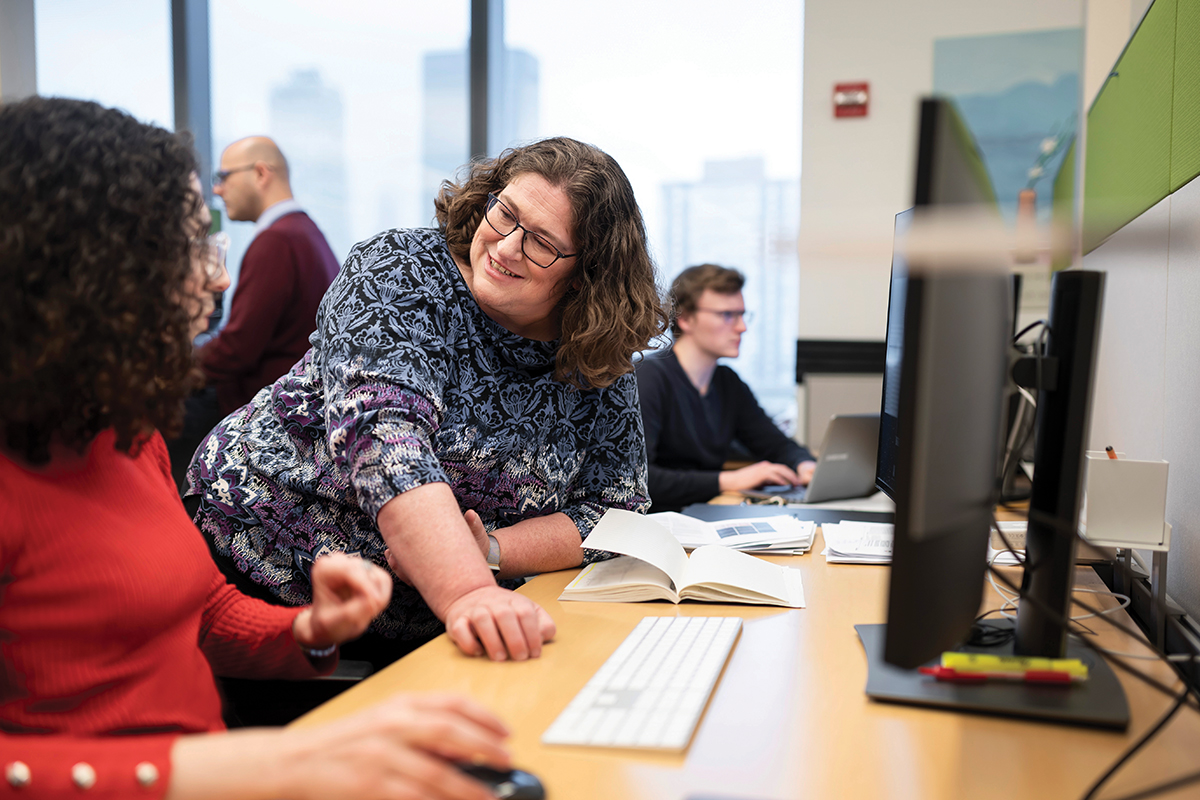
(113,619)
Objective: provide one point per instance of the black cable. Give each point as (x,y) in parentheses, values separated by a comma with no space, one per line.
(1174,783)
(1039,352)
(1115,658)
(1138,745)
(1016,338)
(1180,699)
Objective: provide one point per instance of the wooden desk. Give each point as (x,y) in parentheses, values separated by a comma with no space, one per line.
(789,719)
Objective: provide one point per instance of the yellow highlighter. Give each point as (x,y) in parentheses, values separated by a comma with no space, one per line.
(982,662)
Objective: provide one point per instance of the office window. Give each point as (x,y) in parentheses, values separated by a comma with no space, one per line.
(346,90)
(703,113)
(118,54)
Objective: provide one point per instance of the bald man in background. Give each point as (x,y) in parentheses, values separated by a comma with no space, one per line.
(284,274)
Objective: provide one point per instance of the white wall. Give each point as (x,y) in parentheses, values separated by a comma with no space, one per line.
(1148,377)
(857,173)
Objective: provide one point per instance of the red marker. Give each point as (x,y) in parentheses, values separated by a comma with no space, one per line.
(1111,453)
(951,675)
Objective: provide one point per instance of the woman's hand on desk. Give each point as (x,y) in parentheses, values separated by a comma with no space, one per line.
(405,747)
(499,623)
(761,474)
(348,593)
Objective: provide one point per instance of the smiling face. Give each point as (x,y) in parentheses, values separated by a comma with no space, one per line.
(511,289)
(707,327)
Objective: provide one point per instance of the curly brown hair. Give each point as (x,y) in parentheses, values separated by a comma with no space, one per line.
(94,256)
(690,284)
(612,309)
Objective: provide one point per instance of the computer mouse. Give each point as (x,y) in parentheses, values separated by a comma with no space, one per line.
(513,784)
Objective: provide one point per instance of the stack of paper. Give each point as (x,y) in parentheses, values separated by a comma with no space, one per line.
(782,535)
(998,553)
(857,543)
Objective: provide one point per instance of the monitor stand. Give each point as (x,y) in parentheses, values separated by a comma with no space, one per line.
(1099,701)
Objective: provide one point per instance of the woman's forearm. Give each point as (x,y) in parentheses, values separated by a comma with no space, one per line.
(428,536)
(239,765)
(539,544)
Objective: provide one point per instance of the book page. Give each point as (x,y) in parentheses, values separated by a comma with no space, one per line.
(718,565)
(688,531)
(619,580)
(632,534)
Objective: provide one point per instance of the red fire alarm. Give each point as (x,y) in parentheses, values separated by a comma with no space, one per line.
(850,99)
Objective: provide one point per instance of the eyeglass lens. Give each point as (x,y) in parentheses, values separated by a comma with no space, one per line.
(212,250)
(503,222)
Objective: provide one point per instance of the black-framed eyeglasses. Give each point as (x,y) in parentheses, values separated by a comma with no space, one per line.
(730,317)
(536,248)
(211,251)
(220,176)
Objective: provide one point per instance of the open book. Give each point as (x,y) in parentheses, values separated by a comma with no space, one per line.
(652,565)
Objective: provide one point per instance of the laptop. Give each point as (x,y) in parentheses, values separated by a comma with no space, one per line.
(845,466)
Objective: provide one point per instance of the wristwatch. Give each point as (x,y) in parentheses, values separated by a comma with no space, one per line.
(493,556)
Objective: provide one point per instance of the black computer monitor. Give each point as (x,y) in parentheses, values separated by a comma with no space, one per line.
(947,393)
(889,412)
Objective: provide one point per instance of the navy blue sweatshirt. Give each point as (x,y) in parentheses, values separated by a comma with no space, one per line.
(690,437)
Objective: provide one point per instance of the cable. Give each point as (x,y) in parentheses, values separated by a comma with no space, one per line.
(1012,601)
(1105,611)
(1174,783)
(1116,662)
(1138,745)
(1063,621)
(1176,658)
(1039,352)
(1028,328)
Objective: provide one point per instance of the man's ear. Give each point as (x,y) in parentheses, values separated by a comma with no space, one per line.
(684,321)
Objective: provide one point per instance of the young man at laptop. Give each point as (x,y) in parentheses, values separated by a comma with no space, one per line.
(694,408)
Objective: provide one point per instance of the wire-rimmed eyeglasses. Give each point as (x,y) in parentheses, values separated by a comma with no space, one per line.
(220,176)
(731,317)
(211,250)
(536,248)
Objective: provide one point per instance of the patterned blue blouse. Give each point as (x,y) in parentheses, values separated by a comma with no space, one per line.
(408,382)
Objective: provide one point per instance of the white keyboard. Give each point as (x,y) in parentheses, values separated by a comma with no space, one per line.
(651,690)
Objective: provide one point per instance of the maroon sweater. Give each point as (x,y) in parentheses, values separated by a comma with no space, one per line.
(284,275)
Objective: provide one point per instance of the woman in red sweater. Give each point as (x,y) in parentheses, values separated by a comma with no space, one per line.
(113,618)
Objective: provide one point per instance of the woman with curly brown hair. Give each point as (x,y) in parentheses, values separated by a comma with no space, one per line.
(468,402)
(113,617)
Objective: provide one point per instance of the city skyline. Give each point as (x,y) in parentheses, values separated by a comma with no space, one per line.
(664,110)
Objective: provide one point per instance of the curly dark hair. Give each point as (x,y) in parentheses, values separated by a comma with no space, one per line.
(94,256)
(692,282)
(612,309)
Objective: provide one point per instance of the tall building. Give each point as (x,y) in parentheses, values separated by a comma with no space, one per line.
(735,217)
(444,140)
(306,119)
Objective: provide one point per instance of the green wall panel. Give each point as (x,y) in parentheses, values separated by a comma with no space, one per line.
(1062,210)
(1128,166)
(1185,120)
